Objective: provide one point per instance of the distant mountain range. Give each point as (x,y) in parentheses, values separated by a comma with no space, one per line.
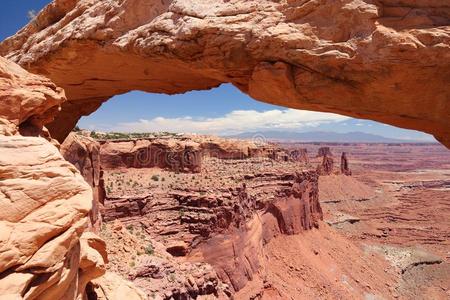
(322,136)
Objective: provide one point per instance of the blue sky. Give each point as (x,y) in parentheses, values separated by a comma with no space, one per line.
(224,110)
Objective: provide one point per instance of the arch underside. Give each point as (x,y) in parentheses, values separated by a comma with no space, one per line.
(386,61)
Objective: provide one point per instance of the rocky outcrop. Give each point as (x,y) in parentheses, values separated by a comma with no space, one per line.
(324,151)
(162,276)
(345,169)
(383,60)
(147,264)
(84,153)
(180,156)
(28,101)
(327,166)
(44,201)
(295,209)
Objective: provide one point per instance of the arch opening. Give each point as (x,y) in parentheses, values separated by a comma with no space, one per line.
(226,111)
(180,202)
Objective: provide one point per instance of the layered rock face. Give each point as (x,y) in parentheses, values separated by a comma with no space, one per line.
(384,60)
(232,149)
(167,154)
(296,208)
(238,253)
(345,169)
(84,153)
(44,201)
(182,154)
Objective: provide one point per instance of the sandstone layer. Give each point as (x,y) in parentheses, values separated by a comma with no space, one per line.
(385,60)
(44,200)
(179,156)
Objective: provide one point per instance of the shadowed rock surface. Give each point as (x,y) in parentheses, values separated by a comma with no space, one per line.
(84,153)
(384,60)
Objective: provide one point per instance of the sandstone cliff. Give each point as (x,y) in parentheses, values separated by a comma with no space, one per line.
(385,60)
(44,201)
(238,253)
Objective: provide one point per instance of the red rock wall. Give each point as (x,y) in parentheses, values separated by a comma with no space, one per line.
(176,156)
(296,208)
(238,254)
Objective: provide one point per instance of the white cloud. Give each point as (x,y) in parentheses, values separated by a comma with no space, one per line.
(234,122)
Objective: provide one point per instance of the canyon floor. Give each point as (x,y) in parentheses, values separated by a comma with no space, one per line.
(385,232)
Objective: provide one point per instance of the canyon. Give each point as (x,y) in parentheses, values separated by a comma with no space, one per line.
(226,218)
(205,218)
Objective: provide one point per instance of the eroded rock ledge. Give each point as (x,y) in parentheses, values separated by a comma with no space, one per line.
(383,60)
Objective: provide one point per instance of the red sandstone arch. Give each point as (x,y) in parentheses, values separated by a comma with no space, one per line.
(385,60)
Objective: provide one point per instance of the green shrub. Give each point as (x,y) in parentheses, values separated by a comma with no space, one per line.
(130,228)
(149,249)
(155,178)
